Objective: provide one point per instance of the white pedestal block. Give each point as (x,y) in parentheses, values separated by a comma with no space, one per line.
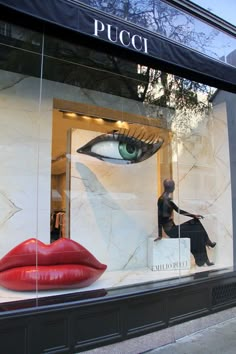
(169,254)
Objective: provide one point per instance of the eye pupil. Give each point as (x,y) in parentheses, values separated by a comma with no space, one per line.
(129,151)
(130,148)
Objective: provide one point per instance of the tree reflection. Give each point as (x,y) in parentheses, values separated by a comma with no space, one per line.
(188,100)
(77,65)
(159,17)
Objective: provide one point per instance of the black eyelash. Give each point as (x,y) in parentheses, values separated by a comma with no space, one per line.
(125,136)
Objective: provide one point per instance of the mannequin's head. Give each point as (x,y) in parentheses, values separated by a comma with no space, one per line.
(169,185)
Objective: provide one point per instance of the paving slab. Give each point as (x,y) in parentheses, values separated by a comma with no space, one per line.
(218,339)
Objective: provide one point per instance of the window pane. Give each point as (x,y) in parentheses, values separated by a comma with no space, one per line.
(21,226)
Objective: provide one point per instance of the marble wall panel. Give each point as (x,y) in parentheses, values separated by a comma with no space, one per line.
(202,173)
(19,135)
(113,207)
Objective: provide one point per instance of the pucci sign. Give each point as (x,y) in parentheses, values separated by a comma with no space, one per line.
(166,55)
(120,36)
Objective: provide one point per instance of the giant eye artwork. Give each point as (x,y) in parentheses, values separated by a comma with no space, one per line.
(123,147)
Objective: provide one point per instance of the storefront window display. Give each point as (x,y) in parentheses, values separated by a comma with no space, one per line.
(87,140)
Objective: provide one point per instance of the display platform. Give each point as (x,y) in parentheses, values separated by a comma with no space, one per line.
(109,280)
(169,254)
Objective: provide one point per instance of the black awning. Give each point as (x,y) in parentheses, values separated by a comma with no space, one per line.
(119,33)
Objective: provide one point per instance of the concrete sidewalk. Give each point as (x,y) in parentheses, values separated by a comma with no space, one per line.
(217,339)
(213,334)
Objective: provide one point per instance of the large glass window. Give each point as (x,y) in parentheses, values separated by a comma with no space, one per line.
(112,173)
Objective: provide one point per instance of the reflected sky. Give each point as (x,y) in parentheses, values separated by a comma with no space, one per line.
(225,9)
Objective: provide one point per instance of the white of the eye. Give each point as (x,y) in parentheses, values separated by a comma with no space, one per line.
(107,149)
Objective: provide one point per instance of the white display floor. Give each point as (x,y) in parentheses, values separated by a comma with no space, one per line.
(108,280)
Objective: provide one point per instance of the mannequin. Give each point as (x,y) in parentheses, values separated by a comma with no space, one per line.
(192,229)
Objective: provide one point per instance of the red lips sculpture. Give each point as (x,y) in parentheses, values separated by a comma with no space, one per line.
(64,264)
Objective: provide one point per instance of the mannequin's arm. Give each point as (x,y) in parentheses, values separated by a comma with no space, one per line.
(183,212)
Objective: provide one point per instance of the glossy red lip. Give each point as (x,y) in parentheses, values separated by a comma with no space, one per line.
(61,265)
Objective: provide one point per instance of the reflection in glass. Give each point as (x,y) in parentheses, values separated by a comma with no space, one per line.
(166,20)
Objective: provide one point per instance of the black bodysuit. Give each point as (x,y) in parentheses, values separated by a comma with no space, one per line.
(192,229)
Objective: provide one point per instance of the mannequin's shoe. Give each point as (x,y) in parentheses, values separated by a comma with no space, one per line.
(157,238)
(209,263)
(211,244)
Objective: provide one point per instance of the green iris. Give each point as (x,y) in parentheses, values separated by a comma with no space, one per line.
(129,151)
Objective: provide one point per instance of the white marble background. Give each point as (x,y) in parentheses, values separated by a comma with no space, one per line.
(203,172)
(113,207)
